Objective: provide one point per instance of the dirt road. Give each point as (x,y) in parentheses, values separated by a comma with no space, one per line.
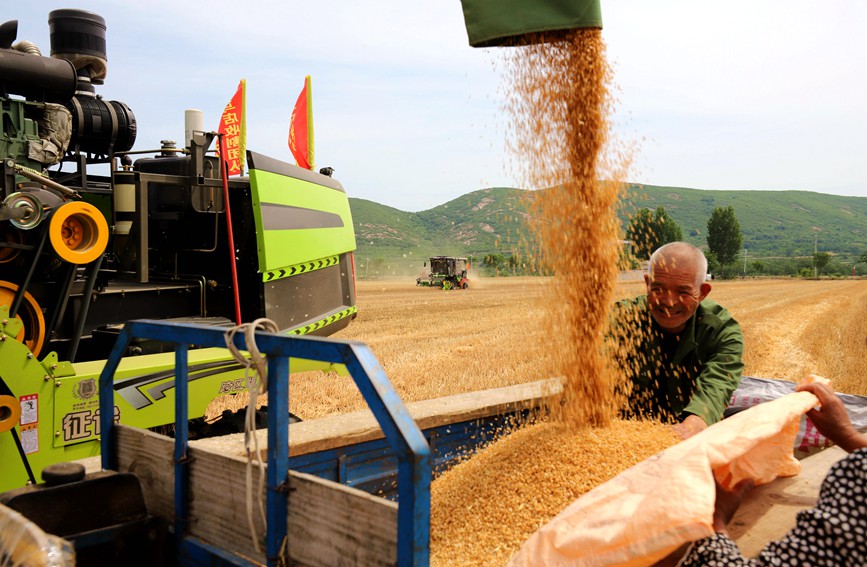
(434,343)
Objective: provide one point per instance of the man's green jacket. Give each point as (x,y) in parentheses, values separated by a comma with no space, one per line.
(694,372)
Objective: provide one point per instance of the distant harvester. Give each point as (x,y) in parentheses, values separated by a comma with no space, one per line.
(447,273)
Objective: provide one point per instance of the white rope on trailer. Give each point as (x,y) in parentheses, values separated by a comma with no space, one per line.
(256,378)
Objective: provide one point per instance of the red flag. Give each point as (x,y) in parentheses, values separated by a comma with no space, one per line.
(232,125)
(301,128)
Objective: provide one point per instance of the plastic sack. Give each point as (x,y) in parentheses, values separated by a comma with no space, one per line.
(24,544)
(753,391)
(648,511)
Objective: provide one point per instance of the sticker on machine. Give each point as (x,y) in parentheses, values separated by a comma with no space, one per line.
(30,439)
(29,409)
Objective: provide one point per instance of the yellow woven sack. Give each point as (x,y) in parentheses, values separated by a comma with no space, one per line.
(651,509)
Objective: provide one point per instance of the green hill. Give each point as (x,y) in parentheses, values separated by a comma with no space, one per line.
(775,224)
(478,223)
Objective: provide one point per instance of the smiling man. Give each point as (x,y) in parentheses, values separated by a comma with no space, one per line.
(680,353)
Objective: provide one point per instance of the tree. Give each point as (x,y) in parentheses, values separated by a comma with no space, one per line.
(820,260)
(667,228)
(640,232)
(712,262)
(648,231)
(724,234)
(493,260)
(514,262)
(864,258)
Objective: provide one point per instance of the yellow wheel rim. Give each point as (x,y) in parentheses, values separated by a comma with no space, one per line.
(32,334)
(10,413)
(78,232)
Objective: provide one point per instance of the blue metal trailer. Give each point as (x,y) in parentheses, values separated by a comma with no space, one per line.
(187,498)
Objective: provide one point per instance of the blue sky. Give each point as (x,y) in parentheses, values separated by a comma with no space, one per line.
(766,94)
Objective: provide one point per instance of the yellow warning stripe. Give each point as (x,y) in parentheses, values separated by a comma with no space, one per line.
(304,267)
(323,322)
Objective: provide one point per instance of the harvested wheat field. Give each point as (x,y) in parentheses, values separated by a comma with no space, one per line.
(435,343)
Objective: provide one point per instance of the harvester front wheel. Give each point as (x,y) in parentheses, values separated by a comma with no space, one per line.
(33,332)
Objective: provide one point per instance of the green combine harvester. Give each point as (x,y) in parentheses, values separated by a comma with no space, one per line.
(446,272)
(162,236)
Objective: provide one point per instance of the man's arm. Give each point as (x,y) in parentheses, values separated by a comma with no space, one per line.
(720,373)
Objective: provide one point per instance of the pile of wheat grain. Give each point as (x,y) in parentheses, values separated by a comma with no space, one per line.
(484,509)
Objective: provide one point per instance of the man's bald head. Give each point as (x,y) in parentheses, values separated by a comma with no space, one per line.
(680,255)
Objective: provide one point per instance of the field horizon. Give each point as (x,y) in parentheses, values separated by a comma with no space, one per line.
(433,343)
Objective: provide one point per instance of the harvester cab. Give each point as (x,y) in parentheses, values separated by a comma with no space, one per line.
(447,273)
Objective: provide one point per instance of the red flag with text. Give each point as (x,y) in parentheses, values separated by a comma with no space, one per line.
(232,125)
(301,128)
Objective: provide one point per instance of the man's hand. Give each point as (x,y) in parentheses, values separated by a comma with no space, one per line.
(690,426)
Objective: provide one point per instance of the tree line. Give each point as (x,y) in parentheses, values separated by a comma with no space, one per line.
(648,230)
